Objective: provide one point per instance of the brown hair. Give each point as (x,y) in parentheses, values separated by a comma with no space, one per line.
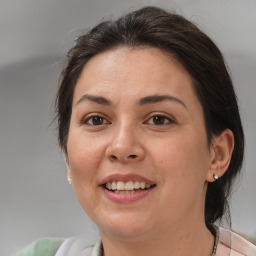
(152,26)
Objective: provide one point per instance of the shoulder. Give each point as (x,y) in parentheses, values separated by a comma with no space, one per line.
(231,242)
(252,238)
(41,247)
(61,247)
(79,246)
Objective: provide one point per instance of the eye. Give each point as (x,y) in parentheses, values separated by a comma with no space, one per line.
(160,120)
(94,120)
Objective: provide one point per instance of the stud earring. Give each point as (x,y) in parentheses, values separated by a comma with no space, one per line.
(69,180)
(215,176)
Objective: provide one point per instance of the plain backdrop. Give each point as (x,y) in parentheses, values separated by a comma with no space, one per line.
(35,198)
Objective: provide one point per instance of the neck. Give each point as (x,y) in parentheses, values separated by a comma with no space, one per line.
(189,240)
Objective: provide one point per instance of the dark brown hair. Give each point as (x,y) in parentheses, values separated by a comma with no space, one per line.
(154,27)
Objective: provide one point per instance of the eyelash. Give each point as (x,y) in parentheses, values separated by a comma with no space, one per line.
(86,120)
(169,120)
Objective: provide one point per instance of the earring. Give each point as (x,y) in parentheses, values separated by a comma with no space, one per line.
(215,176)
(69,180)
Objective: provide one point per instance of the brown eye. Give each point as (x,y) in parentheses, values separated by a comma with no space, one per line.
(95,120)
(160,120)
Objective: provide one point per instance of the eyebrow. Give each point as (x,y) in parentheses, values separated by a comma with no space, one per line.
(96,99)
(159,98)
(151,99)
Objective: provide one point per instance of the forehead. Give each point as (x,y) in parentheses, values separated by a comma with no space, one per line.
(134,71)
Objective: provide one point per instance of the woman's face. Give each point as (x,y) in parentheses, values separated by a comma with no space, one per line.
(137,148)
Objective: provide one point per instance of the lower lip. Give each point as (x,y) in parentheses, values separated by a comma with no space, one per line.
(126,198)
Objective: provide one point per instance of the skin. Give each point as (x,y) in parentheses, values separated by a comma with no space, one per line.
(174,153)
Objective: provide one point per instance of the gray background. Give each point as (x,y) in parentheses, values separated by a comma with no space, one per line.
(35,199)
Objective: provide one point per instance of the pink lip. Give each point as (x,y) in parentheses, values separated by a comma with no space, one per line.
(126,198)
(129,197)
(125,178)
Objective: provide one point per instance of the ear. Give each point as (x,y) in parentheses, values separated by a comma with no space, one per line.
(68,170)
(221,151)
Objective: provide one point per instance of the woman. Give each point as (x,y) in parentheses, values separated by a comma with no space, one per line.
(149,124)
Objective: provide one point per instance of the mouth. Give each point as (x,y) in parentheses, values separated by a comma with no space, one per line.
(121,187)
(126,188)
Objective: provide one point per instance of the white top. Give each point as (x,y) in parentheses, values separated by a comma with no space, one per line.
(78,247)
(228,244)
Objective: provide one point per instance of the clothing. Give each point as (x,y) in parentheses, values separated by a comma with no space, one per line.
(42,247)
(228,244)
(232,244)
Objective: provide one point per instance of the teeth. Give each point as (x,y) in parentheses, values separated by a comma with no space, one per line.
(126,187)
(119,185)
(113,186)
(136,184)
(129,185)
(108,185)
(123,191)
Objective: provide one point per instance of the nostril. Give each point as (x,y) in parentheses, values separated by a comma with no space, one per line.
(115,157)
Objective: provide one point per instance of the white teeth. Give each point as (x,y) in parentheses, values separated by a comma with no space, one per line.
(113,185)
(136,184)
(120,185)
(129,186)
(108,185)
(123,191)
(142,185)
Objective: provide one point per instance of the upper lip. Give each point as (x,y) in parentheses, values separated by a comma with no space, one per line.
(125,178)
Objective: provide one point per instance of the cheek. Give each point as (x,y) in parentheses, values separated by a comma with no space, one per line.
(84,155)
(181,159)
(181,163)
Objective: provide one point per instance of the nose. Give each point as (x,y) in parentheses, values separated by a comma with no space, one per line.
(125,146)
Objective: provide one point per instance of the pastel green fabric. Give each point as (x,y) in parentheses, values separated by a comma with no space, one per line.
(252,238)
(42,247)
(228,243)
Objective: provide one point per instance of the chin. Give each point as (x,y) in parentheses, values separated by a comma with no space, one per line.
(127,227)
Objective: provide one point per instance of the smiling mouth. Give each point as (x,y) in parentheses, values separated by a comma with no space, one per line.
(128,187)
